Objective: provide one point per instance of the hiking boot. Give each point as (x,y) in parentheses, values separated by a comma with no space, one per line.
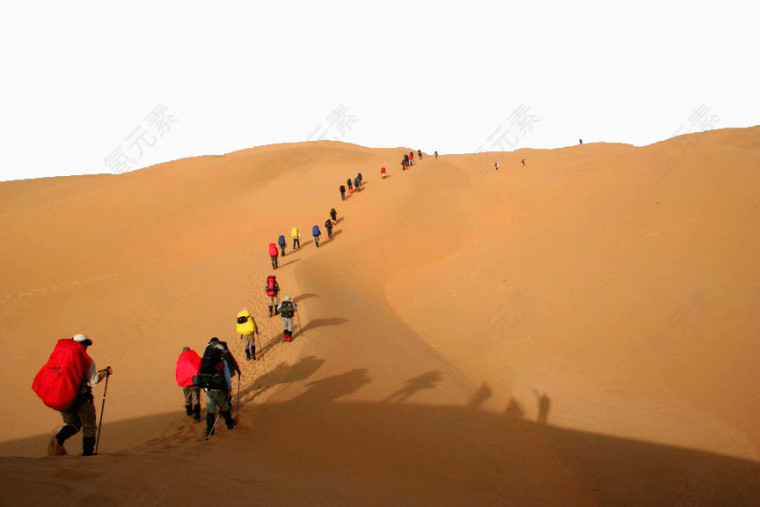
(228,419)
(197,413)
(210,419)
(55,448)
(247,354)
(270,310)
(88,446)
(189,409)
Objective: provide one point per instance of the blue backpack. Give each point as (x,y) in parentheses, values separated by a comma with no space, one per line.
(281,240)
(315,231)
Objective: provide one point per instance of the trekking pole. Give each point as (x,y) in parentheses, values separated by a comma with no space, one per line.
(102,409)
(258,344)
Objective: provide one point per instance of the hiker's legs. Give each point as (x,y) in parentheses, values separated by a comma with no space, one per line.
(86,412)
(195,398)
(72,424)
(250,347)
(274,261)
(282,250)
(188,392)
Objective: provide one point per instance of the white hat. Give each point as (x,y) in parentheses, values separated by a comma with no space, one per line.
(83,339)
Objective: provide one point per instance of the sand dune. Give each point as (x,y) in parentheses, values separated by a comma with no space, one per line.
(578,330)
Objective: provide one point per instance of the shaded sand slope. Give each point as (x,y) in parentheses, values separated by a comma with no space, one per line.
(449,294)
(624,289)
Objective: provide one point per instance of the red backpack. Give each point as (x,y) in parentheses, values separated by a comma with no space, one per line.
(272,285)
(273,252)
(188,365)
(58,382)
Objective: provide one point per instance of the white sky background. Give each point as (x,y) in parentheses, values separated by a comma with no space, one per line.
(78,78)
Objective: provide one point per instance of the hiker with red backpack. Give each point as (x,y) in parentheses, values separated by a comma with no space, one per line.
(273,254)
(272,290)
(65,384)
(218,366)
(188,364)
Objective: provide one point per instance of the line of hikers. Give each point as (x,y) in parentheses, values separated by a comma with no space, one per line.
(295,234)
(353,185)
(66,380)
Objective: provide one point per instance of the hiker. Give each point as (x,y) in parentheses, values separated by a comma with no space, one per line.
(580,141)
(436,154)
(360,177)
(350,185)
(342,192)
(382,172)
(287,310)
(523,162)
(218,366)
(411,158)
(281,241)
(272,290)
(316,233)
(419,154)
(273,253)
(246,327)
(406,161)
(496,165)
(328,226)
(188,364)
(65,383)
(296,238)
(357,184)
(334,215)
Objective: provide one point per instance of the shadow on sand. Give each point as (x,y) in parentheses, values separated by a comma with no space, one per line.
(401,453)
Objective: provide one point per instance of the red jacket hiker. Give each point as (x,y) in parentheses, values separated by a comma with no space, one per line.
(273,253)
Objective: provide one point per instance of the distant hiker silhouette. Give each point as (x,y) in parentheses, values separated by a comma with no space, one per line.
(514,410)
(361,178)
(496,165)
(334,215)
(65,384)
(350,184)
(523,162)
(419,154)
(580,141)
(382,172)
(272,289)
(425,381)
(329,228)
(316,233)
(405,163)
(543,406)
(342,192)
(357,184)
(188,364)
(411,158)
(273,253)
(480,396)
(436,154)
(281,241)
(296,237)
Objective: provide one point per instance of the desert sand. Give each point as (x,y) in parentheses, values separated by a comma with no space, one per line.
(582,330)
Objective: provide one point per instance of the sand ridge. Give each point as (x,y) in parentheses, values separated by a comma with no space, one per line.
(615,281)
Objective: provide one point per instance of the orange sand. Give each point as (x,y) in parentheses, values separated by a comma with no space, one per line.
(619,285)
